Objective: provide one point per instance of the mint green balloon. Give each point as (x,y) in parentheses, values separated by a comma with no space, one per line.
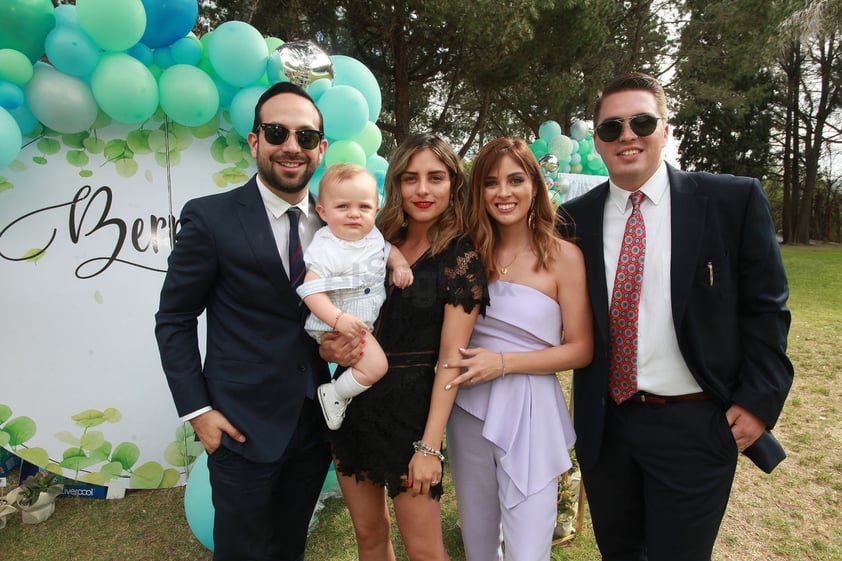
(15,67)
(114,25)
(188,95)
(345,151)
(370,138)
(124,88)
(25,25)
(10,138)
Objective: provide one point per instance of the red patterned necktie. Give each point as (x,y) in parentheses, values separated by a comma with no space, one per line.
(296,254)
(625,298)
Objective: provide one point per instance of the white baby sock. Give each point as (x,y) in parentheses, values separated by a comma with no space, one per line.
(347,386)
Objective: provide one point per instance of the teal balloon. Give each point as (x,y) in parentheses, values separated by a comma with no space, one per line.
(242,109)
(331,482)
(61,102)
(345,112)
(27,122)
(162,57)
(124,88)
(318,88)
(539,148)
(238,53)
(548,130)
(187,50)
(313,185)
(72,51)
(114,25)
(15,67)
(370,138)
(10,138)
(579,130)
(344,151)
(11,95)
(25,25)
(226,91)
(376,162)
(167,21)
(66,15)
(188,95)
(198,504)
(142,53)
(349,71)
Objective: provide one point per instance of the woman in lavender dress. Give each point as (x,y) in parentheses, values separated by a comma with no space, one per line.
(510,431)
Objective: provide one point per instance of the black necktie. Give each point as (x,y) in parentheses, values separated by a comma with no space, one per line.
(296,255)
(296,272)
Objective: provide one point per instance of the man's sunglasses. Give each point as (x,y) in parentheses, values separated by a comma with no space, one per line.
(641,125)
(278,134)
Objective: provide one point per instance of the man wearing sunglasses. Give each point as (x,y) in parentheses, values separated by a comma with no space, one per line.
(252,401)
(688,293)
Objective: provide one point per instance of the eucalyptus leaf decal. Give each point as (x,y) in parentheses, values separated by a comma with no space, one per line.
(170,479)
(92,440)
(37,456)
(5,413)
(148,476)
(127,454)
(34,254)
(20,429)
(89,418)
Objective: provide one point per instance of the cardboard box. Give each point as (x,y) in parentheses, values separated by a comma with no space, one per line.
(8,462)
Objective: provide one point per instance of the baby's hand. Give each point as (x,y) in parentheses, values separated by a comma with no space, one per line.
(401,276)
(350,325)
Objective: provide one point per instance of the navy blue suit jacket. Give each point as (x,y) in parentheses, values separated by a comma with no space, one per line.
(732,333)
(226,263)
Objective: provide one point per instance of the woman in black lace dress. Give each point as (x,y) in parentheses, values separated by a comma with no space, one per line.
(392,434)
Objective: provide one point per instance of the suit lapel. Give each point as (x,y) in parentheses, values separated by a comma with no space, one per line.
(258,231)
(688,215)
(590,239)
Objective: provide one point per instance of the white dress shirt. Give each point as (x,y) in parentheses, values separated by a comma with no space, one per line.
(661,368)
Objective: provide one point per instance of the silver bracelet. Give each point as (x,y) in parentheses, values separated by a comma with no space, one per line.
(427,450)
(503,362)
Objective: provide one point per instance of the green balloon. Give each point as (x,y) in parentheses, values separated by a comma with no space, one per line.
(15,67)
(188,95)
(344,151)
(370,138)
(114,25)
(124,88)
(26,24)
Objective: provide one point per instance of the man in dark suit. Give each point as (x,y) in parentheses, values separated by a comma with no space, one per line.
(251,403)
(690,362)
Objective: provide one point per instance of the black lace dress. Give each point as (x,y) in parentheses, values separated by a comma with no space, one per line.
(375,440)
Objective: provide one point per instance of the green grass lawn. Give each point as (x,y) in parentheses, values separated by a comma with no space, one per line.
(794,514)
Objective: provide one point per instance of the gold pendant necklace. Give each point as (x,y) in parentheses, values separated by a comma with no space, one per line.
(504,270)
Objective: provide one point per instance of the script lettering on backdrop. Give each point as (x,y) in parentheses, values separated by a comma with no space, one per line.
(83,250)
(89,213)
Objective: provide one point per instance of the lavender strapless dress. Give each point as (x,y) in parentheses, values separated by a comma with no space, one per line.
(524,415)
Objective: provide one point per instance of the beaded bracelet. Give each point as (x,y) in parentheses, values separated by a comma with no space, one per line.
(427,450)
(503,362)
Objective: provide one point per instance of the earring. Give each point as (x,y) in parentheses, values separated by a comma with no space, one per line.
(530,221)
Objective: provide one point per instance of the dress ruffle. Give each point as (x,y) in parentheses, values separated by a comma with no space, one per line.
(526,416)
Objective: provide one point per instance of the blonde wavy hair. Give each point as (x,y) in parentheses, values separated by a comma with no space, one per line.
(392,219)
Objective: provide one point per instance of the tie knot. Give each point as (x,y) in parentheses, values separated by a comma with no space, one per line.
(636,199)
(294,213)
